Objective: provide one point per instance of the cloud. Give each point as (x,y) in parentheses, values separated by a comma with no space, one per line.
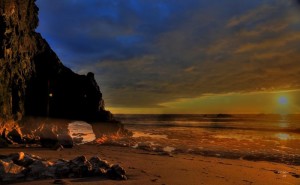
(147,53)
(252,16)
(269,44)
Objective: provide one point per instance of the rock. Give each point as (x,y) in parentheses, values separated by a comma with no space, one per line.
(4,136)
(80,167)
(31,139)
(77,140)
(15,135)
(145,146)
(117,172)
(58,147)
(65,140)
(60,181)
(96,163)
(15,157)
(99,167)
(3,143)
(62,169)
(10,171)
(294,174)
(100,172)
(48,138)
(30,167)
(23,159)
(30,69)
(40,169)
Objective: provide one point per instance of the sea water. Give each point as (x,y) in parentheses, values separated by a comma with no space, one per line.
(273,138)
(253,137)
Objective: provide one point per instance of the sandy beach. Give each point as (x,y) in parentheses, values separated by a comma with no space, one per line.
(145,167)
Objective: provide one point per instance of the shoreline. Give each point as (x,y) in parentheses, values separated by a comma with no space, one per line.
(146,167)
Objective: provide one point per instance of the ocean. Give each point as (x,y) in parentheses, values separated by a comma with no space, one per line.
(261,137)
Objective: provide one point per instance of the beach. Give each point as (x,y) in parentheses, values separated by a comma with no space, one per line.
(144,167)
(179,149)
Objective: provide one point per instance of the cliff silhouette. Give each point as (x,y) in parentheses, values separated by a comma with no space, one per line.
(33,81)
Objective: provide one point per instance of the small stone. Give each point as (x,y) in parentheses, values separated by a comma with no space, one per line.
(58,147)
(60,181)
(294,175)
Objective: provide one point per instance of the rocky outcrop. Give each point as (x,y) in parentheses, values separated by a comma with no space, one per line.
(21,166)
(45,133)
(54,133)
(33,81)
(10,133)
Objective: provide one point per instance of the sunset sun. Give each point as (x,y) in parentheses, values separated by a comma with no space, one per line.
(283,100)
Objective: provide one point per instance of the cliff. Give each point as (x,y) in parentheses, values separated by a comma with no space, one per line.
(33,81)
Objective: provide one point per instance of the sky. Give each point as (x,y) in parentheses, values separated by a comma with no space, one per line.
(182,56)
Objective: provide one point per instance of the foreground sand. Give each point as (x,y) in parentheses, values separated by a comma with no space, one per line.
(150,168)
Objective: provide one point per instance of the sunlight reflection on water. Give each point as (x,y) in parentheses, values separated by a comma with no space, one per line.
(143,134)
(283,123)
(283,136)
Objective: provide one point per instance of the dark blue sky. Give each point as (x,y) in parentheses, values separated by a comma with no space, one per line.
(148,53)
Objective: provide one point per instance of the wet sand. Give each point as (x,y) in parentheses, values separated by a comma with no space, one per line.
(145,167)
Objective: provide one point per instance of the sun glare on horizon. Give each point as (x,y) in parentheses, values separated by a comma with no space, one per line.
(283,100)
(284,104)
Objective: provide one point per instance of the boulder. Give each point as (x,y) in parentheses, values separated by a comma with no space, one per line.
(80,167)
(48,138)
(96,162)
(4,136)
(15,157)
(41,169)
(99,167)
(62,169)
(65,140)
(10,171)
(30,167)
(3,143)
(117,172)
(15,135)
(23,159)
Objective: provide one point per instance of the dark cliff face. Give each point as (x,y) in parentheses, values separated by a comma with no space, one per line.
(33,81)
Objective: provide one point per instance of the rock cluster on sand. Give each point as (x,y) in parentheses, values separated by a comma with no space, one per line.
(21,166)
